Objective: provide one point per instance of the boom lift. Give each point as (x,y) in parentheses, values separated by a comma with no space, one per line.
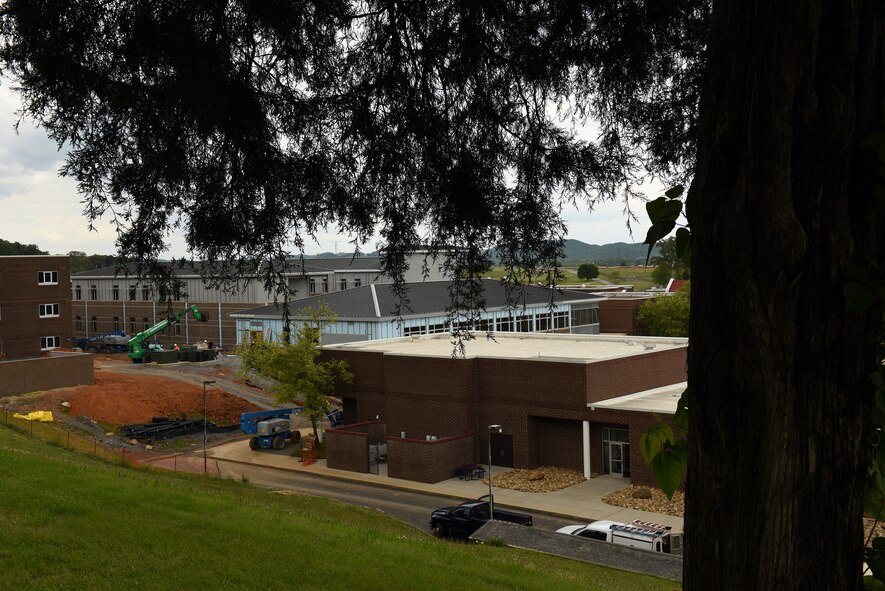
(137,347)
(270,428)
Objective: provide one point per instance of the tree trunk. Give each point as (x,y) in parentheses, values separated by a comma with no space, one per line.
(781,203)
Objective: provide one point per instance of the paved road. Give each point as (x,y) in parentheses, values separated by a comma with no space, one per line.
(411,507)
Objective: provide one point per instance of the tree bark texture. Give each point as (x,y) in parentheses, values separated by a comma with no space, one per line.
(781,203)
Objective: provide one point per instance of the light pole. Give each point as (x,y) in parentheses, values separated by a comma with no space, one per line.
(205,469)
(492,429)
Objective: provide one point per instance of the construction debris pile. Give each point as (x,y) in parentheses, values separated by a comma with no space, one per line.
(544,479)
(162,428)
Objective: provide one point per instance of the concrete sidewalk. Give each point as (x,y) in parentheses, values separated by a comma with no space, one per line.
(582,501)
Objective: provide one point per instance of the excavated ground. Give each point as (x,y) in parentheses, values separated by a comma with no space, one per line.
(120,397)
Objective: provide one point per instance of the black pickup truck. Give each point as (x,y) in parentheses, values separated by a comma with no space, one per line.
(466,518)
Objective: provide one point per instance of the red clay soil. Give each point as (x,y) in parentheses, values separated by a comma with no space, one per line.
(123,399)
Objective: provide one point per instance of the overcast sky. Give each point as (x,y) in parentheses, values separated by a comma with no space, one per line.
(40,207)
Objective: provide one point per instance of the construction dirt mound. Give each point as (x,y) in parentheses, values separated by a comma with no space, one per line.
(121,399)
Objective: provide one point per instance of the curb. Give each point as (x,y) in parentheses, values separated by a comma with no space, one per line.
(394,486)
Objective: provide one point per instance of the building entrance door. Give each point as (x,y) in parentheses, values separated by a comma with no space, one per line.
(616,451)
(619,462)
(502,450)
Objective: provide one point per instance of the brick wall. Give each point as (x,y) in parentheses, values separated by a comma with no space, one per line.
(59,370)
(556,442)
(428,461)
(627,375)
(347,450)
(20,297)
(618,315)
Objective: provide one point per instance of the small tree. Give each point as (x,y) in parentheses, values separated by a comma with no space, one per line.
(588,271)
(661,274)
(666,316)
(293,365)
(668,264)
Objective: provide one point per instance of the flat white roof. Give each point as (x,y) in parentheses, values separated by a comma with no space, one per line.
(660,400)
(574,348)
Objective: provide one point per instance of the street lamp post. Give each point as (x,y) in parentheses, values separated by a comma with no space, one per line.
(205,468)
(492,429)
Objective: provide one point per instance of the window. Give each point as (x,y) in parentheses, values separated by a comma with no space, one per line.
(47,278)
(48,310)
(94,322)
(357,282)
(585,316)
(436,328)
(145,293)
(177,329)
(115,292)
(413,330)
(560,320)
(524,323)
(325,284)
(313,285)
(78,293)
(47,343)
(343,283)
(132,324)
(542,322)
(132,292)
(485,325)
(116,323)
(79,324)
(505,324)
(593,535)
(144,324)
(93,292)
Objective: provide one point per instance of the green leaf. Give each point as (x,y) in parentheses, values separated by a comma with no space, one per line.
(878,379)
(674,192)
(873,584)
(655,233)
(874,498)
(875,559)
(858,296)
(654,440)
(680,419)
(669,467)
(683,246)
(663,210)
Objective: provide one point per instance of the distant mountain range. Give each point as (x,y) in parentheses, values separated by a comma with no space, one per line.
(617,253)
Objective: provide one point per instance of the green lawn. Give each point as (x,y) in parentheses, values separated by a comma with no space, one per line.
(71,521)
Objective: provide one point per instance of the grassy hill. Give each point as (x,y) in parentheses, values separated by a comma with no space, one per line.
(74,522)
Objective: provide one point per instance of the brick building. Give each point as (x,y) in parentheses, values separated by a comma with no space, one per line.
(111,299)
(35,305)
(576,401)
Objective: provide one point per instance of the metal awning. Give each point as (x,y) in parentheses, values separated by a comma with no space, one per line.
(661,400)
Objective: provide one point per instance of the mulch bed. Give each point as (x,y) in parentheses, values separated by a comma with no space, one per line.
(551,479)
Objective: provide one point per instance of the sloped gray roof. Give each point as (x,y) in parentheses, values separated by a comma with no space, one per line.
(425,299)
(324,265)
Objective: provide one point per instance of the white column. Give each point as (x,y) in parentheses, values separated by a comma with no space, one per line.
(587,471)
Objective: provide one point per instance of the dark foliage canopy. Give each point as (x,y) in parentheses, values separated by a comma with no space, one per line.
(250,125)
(17,248)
